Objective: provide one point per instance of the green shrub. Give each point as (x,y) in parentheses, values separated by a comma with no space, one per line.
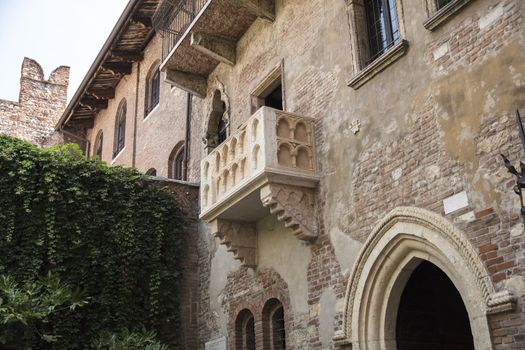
(104,229)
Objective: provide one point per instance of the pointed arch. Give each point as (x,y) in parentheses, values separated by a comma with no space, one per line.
(98,145)
(396,246)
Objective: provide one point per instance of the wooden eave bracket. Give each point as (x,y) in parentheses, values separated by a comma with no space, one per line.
(193,83)
(219,49)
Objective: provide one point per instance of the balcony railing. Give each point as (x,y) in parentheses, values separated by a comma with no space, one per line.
(267,166)
(172,19)
(271,146)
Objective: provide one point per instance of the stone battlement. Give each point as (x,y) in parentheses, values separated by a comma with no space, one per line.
(40,103)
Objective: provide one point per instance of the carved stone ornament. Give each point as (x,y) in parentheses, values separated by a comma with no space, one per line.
(405,234)
(239,237)
(294,206)
(355,125)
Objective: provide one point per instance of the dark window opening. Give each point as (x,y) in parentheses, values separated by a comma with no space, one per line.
(98,144)
(120,130)
(279,336)
(178,165)
(383,29)
(275,98)
(245,331)
(431,313)
(442,3)
(222,131)
(152,92)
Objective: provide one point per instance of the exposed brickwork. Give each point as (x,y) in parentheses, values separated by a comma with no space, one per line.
(244,291)
(187,196)
(475,38)
(40,105)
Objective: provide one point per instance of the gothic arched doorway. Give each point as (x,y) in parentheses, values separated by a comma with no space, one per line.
(431,313)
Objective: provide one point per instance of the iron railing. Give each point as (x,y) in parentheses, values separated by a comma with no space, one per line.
(172,18)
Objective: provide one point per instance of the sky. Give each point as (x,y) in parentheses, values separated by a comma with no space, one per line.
(54,33)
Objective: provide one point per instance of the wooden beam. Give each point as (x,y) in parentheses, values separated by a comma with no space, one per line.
(144,21)
(264,9)
(101,94)
(82,123)
(217,48)
(193,83)
(94,103)
(117,67)
(126,56)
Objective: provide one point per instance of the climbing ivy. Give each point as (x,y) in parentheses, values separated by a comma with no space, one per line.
(104,229)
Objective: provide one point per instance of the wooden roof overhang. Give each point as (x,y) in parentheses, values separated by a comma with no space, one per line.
(125,45)
(211,38)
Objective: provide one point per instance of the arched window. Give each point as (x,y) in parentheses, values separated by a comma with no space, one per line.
(245,331)
(176,163)
(152,89)
(120,129)
(98,144)
(274,332)
(151,172)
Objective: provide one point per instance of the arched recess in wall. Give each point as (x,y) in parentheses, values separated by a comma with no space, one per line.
(151,172)
(274,327)
(98,145)
(406,237)
(152,88)
(176,162)
(245,331)
(217,128)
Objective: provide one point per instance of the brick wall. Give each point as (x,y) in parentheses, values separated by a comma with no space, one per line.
(40,105)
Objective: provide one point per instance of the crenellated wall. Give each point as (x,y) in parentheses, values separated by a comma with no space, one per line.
(40,104)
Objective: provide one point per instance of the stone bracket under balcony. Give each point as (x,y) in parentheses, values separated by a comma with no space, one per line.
(210,39)
(268,167)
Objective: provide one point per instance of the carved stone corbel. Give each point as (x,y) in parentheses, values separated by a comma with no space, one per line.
(239,237)
(501,302)
(294,206)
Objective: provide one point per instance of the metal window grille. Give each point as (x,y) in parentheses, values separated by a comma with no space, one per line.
(172,18)
(278,330)
(383,28)
(249,335)
(442,3)
(98,148)
(154,92)
(178,165)
(120,130)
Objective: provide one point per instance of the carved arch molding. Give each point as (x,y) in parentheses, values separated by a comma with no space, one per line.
(294,206)
(390,254)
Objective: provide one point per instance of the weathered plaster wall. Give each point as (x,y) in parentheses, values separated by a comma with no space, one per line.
(432,125)
(40,104)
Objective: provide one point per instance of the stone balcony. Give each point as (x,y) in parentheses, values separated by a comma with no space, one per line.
(206,37)
(267,166)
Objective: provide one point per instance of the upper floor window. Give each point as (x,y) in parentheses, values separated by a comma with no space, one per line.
(98,144)
(176,163)
(383,30)
(152,89)
(377,37)
(217,130)
(442,3)
(440,11)
(274,326)
(245,331)
(120,129)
